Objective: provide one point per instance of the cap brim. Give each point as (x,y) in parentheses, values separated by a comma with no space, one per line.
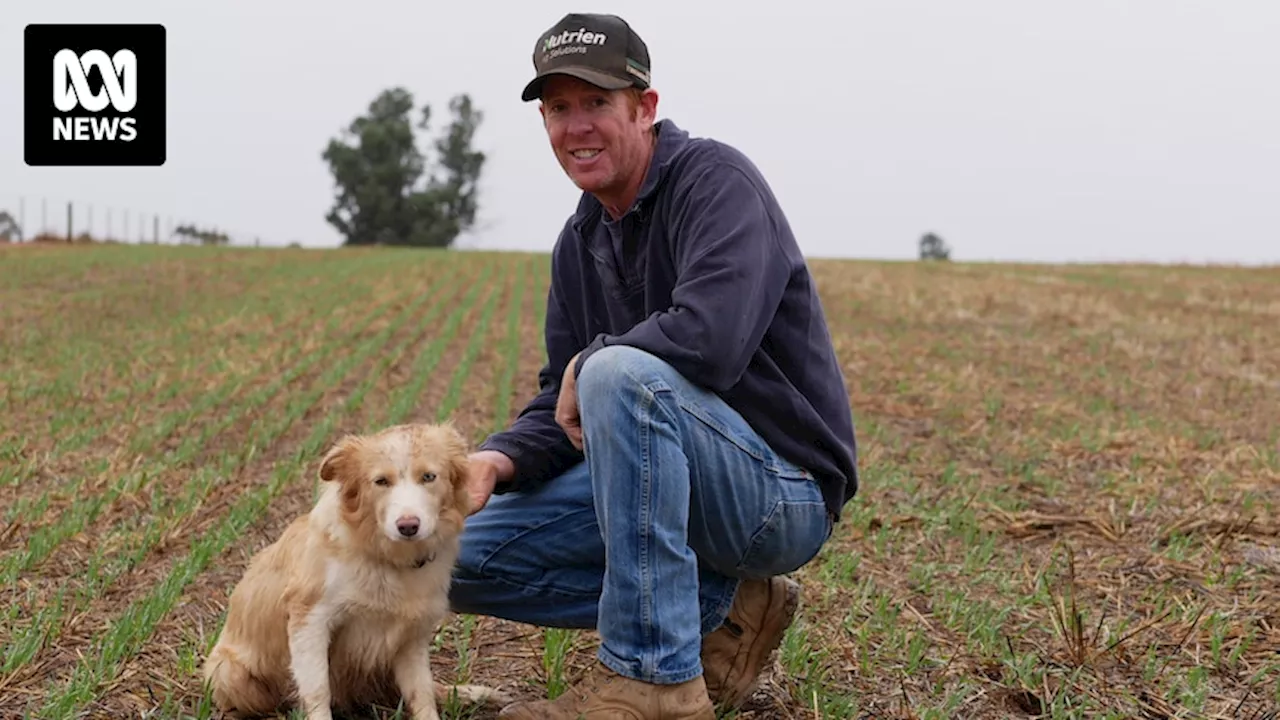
(533,90)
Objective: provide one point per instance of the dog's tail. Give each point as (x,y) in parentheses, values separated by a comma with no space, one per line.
(471,695)
(234,690)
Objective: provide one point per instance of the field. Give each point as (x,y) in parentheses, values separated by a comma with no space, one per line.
(1068,510)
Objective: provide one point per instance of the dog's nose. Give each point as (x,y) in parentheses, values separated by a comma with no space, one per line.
(408,526)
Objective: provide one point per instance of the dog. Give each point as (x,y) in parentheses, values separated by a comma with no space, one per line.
(342,609)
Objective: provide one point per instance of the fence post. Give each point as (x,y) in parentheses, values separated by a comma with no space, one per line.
(70,235)
(155,229)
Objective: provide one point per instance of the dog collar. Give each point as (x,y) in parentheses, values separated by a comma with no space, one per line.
(422,561)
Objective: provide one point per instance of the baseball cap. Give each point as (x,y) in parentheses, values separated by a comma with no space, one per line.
(600,49)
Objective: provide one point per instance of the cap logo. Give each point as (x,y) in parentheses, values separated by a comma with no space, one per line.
(571,41)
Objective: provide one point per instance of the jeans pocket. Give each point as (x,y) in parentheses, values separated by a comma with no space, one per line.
(739,434)
(792,535)
(787,470)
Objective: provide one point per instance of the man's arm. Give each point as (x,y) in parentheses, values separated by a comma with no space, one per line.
(536,444)
(732,274)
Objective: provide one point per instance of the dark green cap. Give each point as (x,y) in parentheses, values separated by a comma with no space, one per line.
(600,49)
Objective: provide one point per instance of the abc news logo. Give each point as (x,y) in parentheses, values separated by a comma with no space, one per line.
(107,105)
(71,90)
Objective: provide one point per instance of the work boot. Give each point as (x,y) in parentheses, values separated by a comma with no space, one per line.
(606,694)
(735,653)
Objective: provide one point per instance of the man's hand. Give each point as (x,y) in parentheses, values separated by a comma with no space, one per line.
(567,405)
(487,469)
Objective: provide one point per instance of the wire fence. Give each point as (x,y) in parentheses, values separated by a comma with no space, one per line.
(26,219)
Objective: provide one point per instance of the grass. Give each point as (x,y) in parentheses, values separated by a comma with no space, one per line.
(1068,510)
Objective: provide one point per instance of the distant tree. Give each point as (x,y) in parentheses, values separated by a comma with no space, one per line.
(933,248)
(10,231)
(201,237)
(384,192)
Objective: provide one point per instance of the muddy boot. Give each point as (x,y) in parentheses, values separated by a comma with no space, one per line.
(735,653)
(605,694)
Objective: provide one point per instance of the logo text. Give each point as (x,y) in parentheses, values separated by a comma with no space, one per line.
(580,36)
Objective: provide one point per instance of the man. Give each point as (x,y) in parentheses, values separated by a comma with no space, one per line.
(692,440)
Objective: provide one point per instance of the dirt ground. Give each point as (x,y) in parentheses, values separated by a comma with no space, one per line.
(1068,502)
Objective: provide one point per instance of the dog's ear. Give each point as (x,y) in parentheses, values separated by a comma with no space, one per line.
(337,462)
(459,465)
(458,448)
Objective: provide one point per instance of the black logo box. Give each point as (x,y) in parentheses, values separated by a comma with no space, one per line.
(41,42)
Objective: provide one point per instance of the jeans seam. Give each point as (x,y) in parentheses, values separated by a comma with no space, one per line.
(646,509)
(650,390)
(768,526)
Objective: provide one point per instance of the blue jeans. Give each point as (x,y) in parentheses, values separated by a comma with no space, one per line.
(646,540)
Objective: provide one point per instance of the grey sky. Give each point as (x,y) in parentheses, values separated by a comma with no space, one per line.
(1142,130)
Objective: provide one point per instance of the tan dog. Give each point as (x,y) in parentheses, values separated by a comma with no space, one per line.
(343,607)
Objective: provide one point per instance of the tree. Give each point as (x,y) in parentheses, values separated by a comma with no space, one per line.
(10,231)
(385,194)
(933,248)
(201,236)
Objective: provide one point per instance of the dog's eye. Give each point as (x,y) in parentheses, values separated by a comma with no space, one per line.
(381,481)
(428,476)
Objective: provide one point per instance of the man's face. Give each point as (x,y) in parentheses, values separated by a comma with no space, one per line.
(600,137)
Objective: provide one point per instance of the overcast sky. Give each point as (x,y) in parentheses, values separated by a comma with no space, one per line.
(1092,130)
